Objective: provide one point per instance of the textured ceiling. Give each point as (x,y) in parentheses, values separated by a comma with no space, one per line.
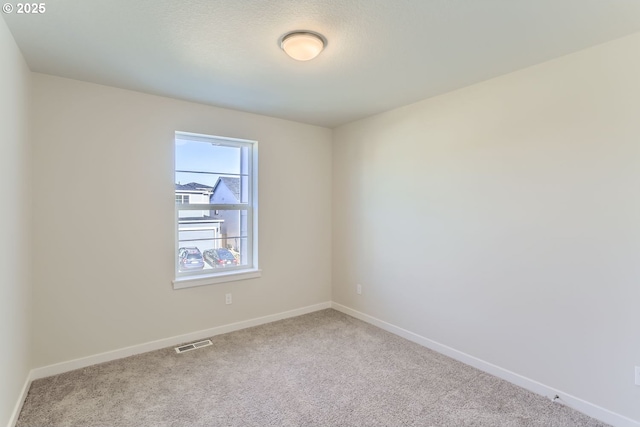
(381,54)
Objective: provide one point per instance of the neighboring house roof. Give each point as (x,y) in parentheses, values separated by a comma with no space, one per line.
(193,186)
(233,184)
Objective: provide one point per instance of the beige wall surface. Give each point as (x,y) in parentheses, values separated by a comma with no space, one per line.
(103,225)
(15,251)
(500,220)
(503,220)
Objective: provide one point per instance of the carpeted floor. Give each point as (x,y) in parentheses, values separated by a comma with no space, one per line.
(320,369)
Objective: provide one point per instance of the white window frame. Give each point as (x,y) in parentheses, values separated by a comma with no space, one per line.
(207,277)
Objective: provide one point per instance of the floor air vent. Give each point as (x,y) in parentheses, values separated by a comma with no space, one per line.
(193,346)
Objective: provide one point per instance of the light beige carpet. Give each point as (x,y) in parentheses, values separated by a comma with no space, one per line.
(321,369)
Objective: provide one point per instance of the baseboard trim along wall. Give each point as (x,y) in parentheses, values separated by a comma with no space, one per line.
(59,368)
(576,403)
(23,395)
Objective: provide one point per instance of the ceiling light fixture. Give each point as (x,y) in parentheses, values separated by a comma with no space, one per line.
(302,45)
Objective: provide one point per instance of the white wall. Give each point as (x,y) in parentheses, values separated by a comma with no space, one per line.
(514,212)
(105,155)
(15,252)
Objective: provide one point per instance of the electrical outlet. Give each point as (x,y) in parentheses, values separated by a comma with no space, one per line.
(227,299)
(637,375)
(359,289)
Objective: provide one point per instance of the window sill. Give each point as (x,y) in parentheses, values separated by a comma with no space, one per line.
(230,276)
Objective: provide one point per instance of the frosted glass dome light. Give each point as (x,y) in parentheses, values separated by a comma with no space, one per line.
(302,45)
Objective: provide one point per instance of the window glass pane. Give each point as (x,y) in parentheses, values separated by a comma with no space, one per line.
(220,240)
(182,198)
(189,181)
(226,191)
(213,173)
(207,157)
(190,259)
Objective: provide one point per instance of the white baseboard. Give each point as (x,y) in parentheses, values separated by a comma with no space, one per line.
(23,396)
(59,368)
(576,403)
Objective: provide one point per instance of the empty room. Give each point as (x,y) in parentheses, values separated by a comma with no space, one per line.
(320,213)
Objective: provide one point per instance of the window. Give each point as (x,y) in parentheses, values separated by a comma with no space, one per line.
(182,198)
(216,209)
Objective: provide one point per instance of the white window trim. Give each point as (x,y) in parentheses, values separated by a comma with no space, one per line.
(249,272)
(222,277)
